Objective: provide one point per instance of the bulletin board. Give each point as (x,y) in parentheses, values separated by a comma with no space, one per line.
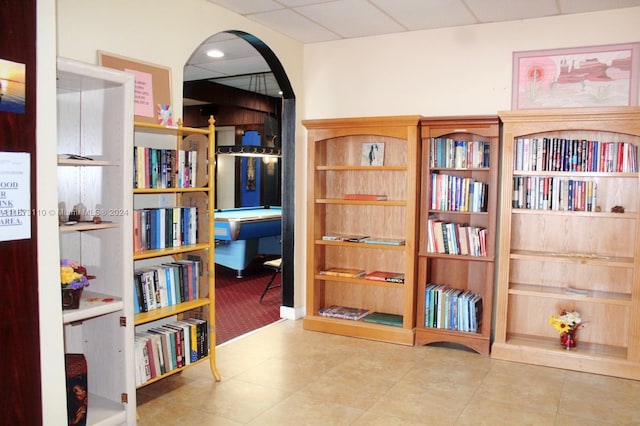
(152,85)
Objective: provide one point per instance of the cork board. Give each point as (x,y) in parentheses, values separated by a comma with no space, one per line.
(152,98)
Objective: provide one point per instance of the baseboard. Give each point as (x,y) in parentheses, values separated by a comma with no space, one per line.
(290,313)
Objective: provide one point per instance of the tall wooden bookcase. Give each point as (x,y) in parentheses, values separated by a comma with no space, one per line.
(459,155)
(569,253)
(95,120)
(199,195)
(335,148)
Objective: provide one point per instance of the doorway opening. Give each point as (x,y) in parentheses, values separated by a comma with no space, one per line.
(203,95)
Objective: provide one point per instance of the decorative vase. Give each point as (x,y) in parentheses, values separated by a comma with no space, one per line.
(71,298)
(568,339)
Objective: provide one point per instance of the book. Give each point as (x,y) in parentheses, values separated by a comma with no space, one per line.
(344,312)
(372,154)
(386,241)
(343,272)
(390,277)
(365,197)
(344,237)
(384,318)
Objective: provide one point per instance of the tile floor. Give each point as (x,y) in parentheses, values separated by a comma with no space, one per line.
(283,375)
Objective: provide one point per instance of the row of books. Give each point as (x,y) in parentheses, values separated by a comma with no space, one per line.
(164,227)
(164,168)
(173,345)
(450,153)
(455,238)
(164,285)
(572,155)
(364,239)
(390,277)
(554,193)
(452,309)
(455,193)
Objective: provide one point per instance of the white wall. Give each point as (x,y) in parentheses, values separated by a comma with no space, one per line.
(452,71)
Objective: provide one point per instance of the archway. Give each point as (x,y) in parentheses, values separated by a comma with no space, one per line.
(287,163)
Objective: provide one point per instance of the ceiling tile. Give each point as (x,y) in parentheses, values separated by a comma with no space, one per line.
(233,48)
(506,10)
(192,73)
(247,6)
(296,3)
(583,6)
(426,14)
(351,18)
(295,26)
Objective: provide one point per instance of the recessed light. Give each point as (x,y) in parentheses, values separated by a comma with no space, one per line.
(215,53)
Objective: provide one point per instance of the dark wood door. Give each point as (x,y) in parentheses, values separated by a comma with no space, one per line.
(20,394)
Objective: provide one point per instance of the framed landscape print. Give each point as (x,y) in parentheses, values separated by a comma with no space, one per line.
(592,76)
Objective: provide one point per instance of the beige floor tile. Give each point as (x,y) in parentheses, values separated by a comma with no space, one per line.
(483,411)
(284,375)
(302,410)
(601,398)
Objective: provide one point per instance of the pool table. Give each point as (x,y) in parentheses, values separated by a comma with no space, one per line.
(242,233)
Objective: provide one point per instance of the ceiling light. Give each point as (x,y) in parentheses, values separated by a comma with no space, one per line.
(215,53)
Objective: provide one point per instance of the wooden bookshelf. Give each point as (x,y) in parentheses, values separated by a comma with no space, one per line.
(198,193)
(477,141)
(553,258)
(335,149)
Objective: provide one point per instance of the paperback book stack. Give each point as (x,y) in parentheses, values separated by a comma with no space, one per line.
(164,227)
(344,312)
(452,309)
(173,345)
(164,168)
(164,285)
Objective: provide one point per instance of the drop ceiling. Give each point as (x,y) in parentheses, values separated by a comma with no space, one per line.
(313,21)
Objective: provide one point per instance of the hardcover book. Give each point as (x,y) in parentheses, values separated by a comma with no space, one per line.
(365,197)
(384,318)
(372,154)
(386,241)
(343,272)
(344,312)
(344,237)
(390,277)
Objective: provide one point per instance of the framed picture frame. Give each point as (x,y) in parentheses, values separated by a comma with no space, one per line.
(372,154)
(591,76)
(152,87)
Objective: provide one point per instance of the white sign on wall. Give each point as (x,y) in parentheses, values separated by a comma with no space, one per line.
(15,196)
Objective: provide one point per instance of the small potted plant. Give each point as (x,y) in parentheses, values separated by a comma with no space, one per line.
(73,279)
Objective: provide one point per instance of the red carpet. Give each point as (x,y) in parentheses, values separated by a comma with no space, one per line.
(238,306)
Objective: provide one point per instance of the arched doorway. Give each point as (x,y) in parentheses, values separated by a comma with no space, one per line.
(288,159)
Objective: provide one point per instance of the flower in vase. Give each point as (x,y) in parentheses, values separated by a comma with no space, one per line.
(566,321)
(73,275)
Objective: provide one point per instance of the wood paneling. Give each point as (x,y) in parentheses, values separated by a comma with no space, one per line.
(19,322)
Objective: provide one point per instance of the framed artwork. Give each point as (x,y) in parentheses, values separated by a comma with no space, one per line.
(576,77)
(152,87)
(372,154)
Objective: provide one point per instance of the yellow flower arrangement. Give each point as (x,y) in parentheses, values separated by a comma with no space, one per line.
(72,275)
(566,322)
